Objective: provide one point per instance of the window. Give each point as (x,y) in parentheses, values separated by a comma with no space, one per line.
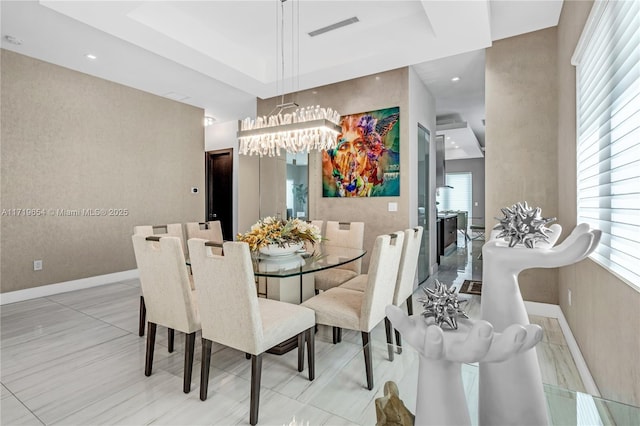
(459,197)
(607,61)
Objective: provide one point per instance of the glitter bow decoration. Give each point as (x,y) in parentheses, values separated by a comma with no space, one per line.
(522,224)
(442,304)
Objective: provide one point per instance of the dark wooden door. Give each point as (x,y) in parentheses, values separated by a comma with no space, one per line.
(219,169)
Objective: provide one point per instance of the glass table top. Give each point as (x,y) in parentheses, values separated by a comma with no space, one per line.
(319,257)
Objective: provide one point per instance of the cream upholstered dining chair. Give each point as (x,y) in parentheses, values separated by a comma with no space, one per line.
(341,307)
(172,230)
(169,300)
(234,316)
(211,231)
(406,276)
(342,234)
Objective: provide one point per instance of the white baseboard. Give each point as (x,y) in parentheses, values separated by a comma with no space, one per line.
(51,289)
(554,311)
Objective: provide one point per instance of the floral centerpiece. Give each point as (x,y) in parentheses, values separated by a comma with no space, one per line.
(272,231)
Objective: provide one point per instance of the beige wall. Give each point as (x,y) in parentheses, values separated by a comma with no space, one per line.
(604,314)
(384,90)
(72,141)
(521,101)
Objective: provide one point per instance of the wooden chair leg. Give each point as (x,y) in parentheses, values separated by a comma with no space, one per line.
(151,342)
(301,338)
(256,375)
(337,335)
(204,368)
(171,337)
(397,333)
(189,346)
(398,341)
(366,347)
(143,317)
(311,353)
(247,355)
(410,304)
(388,331)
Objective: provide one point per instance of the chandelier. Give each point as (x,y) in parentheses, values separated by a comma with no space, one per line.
(304,129)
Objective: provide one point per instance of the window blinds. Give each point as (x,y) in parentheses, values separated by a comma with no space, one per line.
(607,63)
(458,198)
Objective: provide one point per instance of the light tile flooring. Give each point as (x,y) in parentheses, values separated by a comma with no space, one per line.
(76,359)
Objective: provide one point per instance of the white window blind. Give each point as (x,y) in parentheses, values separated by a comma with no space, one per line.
(458,197)
(607,63)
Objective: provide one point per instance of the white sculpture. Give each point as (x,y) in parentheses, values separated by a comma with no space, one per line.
(511,392)
(440,397)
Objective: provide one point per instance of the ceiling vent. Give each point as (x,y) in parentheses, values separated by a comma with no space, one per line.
(335,26)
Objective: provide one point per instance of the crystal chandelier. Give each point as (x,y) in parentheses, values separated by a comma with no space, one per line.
(302,130)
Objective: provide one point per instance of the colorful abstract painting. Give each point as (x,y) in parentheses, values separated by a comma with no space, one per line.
(366,161)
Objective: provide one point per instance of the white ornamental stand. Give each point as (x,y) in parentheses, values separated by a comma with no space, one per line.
(511,391)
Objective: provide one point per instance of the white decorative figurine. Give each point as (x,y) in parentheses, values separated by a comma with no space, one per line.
(440,397)
(511,392)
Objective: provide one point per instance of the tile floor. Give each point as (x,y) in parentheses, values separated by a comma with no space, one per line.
(76,359)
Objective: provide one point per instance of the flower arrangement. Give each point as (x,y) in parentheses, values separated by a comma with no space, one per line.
(272,230)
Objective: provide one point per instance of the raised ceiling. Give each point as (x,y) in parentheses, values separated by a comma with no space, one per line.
(220,55)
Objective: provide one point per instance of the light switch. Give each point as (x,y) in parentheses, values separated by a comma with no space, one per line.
(393,207)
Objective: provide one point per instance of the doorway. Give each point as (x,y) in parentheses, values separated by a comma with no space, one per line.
(219,189)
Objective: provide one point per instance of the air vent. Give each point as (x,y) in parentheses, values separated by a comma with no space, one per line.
(334,26)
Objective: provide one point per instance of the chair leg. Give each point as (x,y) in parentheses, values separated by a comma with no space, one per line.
(189,345)
(366,347)
(311,353)
(388,332)
(301,350)
(398,341)
(171,336)
(151,342)
(247,355)
(410,304)
(143,317)
(204,368)
(256,374)
(337,335)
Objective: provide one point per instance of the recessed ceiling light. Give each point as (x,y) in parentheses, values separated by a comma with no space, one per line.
(448,137)
(452,142)
(457,147)
(454,79)
(91,56)
(208,121)
(13,40)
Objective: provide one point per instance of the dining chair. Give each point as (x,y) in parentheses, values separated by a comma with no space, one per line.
(211,231)
(406,276)
(173,230)
(341,307)
(341,234)
(169,300)
(234,316)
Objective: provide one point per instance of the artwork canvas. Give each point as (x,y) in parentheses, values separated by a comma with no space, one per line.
(366,160)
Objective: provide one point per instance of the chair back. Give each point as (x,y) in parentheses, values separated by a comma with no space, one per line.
(172,230)
(408,264)
(211,231)
(165,283)
(346,234)
(227,297)
(381,280)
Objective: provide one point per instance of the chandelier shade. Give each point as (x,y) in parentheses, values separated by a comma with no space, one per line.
(305,129)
